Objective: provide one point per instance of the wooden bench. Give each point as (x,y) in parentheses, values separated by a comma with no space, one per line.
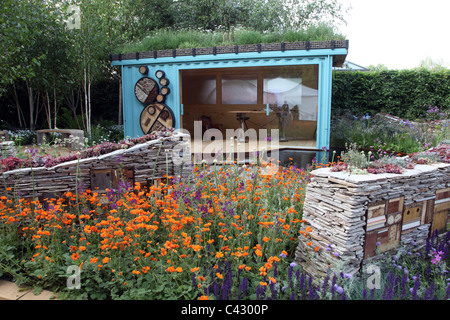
(4,135)
(74,144)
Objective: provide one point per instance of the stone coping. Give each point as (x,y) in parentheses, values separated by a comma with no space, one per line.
(356,179)
(11,291)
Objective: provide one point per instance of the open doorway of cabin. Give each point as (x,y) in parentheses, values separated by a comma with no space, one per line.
(281,97)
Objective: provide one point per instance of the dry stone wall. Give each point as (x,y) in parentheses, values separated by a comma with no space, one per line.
(144,163)
(354,218)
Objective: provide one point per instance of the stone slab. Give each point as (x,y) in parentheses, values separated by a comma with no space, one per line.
(11,291)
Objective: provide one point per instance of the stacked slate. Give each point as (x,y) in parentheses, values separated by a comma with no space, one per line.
(142,163)
(355,217)
(7,149)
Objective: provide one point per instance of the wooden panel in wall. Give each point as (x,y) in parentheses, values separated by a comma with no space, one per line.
(441,210)
(102,179)
(412,214)
(428,211)
(440,221)
(382,240)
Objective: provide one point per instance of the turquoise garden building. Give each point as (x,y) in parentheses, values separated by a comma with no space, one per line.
(285,86)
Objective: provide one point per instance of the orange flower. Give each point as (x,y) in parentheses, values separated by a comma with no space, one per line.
(273,280)
(263,271)
(179,269)
(219,255)
(195,269)
(266,239)
(94,260)
(75,256)
(105,260)
(203,298)
(219,275)
(171,269)
(263,283)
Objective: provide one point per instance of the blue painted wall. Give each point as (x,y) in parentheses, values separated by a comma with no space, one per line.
(172,66)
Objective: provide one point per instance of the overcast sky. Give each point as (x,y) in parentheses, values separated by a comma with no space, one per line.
(398,33)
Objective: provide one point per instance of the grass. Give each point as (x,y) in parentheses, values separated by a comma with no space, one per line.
(183,39)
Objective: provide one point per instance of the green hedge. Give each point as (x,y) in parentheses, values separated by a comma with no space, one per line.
(403,93)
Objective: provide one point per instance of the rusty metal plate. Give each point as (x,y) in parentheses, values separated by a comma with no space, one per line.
(101,179)
(443,194)
(395,205)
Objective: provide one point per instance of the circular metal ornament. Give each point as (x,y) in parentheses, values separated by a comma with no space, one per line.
(160,98)
(164,82)
(146,90)
(156,116)
(143,69)
(160,74)
(165,91)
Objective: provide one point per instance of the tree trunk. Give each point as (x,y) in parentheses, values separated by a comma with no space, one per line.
(54,106)
(19,109)
(31,105)
(47,109)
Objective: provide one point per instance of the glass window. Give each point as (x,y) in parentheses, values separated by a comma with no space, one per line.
(239,89)
(199,89)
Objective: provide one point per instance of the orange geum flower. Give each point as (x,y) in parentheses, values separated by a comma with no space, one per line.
(220,276)
(273,280)
(105,260)
(195,269)
(171,269)
(75,256)
(94,260)
(266,239)
(179,269)
(219,255)
(262,271)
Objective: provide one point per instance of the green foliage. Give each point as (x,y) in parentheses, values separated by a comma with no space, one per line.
(383,136)
(403,93)
(180,39)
